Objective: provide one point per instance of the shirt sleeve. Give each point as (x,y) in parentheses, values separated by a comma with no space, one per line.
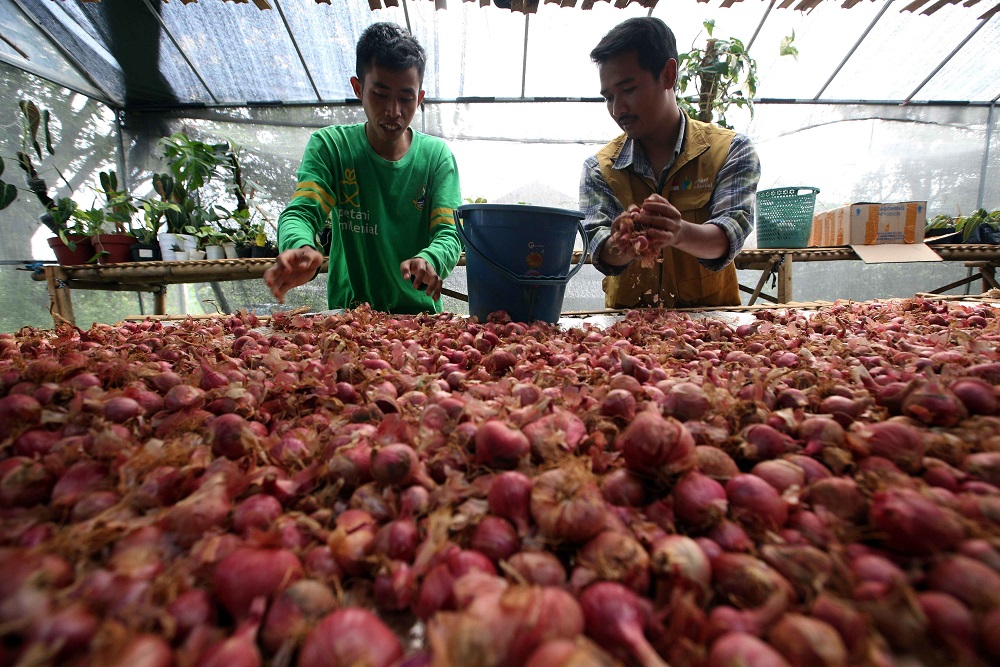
(444,249)
(731,205)
(600,207)
(313,200)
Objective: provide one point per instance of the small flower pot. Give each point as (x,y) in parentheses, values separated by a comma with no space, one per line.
(264,251)
(145,252)
(244,250)
(167,242)
(215,252)
(181,255)
(196,254)
(80,253)
(189,241)
(230,249)
(112,248)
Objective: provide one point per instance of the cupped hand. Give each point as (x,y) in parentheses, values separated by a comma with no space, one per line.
(662,222)
(423,276)
(291,269)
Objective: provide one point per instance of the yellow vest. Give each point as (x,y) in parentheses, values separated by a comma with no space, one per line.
(680,281)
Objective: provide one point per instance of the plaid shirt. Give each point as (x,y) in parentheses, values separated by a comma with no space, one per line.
(731,203)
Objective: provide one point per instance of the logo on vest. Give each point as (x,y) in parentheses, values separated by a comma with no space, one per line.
(688,184)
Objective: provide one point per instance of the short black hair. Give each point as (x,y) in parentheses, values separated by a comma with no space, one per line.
(391,46)
(649,37)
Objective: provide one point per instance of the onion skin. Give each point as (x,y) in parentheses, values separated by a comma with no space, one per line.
(896,440)
(808,642)
(250,572)
(975,584)
(616,618)
(699,501)
(914,524)
(579,652)
(294,612)
(145,650)
(680,563)
(566,507)
(496,538)
(537,567)
(755,503)
(613,556)
(232,436)
(652,444)
(849,622)
(350,637)
(509,497)
(990,631)
(739,649)
(500,446)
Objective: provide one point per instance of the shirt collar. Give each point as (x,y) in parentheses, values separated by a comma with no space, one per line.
(632,156)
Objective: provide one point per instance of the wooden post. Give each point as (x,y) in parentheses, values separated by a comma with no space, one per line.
(160,301)
(785,279)
(60,297)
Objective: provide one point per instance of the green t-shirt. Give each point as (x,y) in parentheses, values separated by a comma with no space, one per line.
(383,213)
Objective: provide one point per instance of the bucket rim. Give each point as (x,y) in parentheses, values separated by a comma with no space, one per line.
(527,208)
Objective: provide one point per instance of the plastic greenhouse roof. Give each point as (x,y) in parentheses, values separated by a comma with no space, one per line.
(146,54)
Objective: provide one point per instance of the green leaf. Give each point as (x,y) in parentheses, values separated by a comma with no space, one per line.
(786,48)
(709,26)
(8,193)
(48,134)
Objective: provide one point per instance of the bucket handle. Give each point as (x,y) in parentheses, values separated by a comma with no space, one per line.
(541,280)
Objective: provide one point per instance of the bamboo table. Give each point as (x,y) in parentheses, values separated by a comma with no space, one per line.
(780,262)
(155,276)
(142,277)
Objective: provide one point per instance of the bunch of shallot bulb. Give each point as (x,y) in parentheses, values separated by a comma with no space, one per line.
(805,489)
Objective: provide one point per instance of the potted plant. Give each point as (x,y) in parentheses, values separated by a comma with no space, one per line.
(69,244)
(113,238)
(147,233)
(212,241)
(724,75)
(192,165)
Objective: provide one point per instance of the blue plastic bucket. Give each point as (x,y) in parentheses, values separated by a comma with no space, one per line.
(519,258)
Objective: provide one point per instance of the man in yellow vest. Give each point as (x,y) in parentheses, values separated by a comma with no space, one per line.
(686,184)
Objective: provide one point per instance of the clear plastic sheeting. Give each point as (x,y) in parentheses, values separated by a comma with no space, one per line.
(303,52)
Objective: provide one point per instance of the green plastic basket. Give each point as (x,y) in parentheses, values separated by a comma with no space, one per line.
(784,217)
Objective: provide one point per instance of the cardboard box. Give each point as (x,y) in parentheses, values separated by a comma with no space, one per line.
(878,232)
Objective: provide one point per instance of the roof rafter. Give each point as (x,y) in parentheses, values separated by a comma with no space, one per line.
(531,6)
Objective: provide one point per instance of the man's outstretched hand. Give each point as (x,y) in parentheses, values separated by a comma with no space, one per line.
(423,276)
(291,269)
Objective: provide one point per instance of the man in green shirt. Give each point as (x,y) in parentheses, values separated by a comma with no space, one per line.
(391,192)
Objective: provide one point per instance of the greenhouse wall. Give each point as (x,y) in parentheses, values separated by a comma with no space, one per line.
(508,152)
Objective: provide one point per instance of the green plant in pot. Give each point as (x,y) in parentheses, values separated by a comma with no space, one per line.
(113,238)
(723,75)
(70,243)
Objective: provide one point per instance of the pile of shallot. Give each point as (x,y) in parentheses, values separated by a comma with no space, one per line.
(809,489)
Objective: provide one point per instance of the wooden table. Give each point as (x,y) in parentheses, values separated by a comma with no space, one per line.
(141,277)
(154,277)
(780,262)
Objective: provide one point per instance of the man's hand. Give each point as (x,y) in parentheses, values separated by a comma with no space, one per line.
(614,251)
(419,272)
(665,227)
(662,222)
(291,269)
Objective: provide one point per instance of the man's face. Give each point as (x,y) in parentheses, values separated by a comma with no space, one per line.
(638,101)
(390,100)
